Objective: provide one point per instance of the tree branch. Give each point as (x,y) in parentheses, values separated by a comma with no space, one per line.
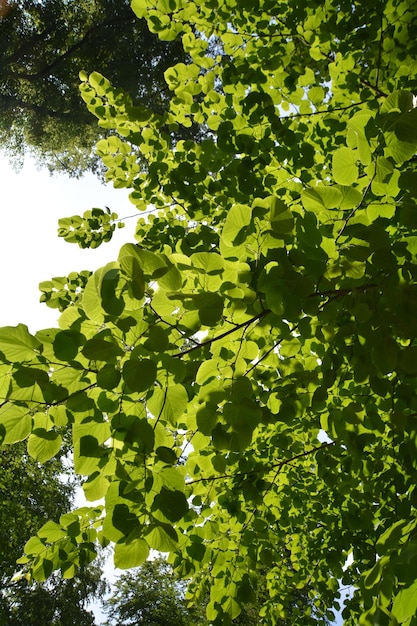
(277,466)
(225,334)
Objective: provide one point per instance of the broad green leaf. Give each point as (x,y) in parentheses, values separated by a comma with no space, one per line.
(210,308)
(108,377)
(282,220)
(405,603)
(15,423)
(139,374)
(208,262)
(95,487)
(98,349)
(34,546)
(351,197)
(236,223)
(172,504)
(162,538)
(207,370)
(91,299)
(138,433)
(43,445)
(17,344)
(132,270)
(321,197)
(66,344)
(399,100)
(166,455)
(130,554)
(207,418)
(157,340)
(344,168)
(168,404)
(51,532)
(109,283)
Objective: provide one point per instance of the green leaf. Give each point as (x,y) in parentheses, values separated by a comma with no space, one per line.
(162,538)
(17,344)
(66,344)
(408,360)
(130,554)
(210,308)
(51,532)
(111,303)
(207,418)
(140,433)
(282,220)
(98,349)
(168,404)
(399,100)
(34,546)
(108,377)
(207,371)
(172,504)
(344,168)
(321,197)
(95,487)
(91,299)
(16,422)
(43,445)
(157,340)
(236,223)
(405,603)
(139,375)
(166,455)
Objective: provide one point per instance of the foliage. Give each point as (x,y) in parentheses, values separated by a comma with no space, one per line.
(241,383)
(43,46)
(57,603)
(30,494)
(151,595)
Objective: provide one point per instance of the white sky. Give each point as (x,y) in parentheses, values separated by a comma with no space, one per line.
(31,202)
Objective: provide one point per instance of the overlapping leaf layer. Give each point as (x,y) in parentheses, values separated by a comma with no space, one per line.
(240,384)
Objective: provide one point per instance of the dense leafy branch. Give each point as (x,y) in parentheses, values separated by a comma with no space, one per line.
(240,385)
(277,466)
(235,328)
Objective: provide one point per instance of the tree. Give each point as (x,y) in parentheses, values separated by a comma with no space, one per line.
(44,45)
(30,494)
(241,383)
(151,595)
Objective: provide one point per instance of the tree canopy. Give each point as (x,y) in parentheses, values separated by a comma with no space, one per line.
(151,595)
(30,495)
(43,46)
(240,384)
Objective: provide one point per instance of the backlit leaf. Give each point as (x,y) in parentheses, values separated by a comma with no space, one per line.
(131,554)
(43,445)
(16,343)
